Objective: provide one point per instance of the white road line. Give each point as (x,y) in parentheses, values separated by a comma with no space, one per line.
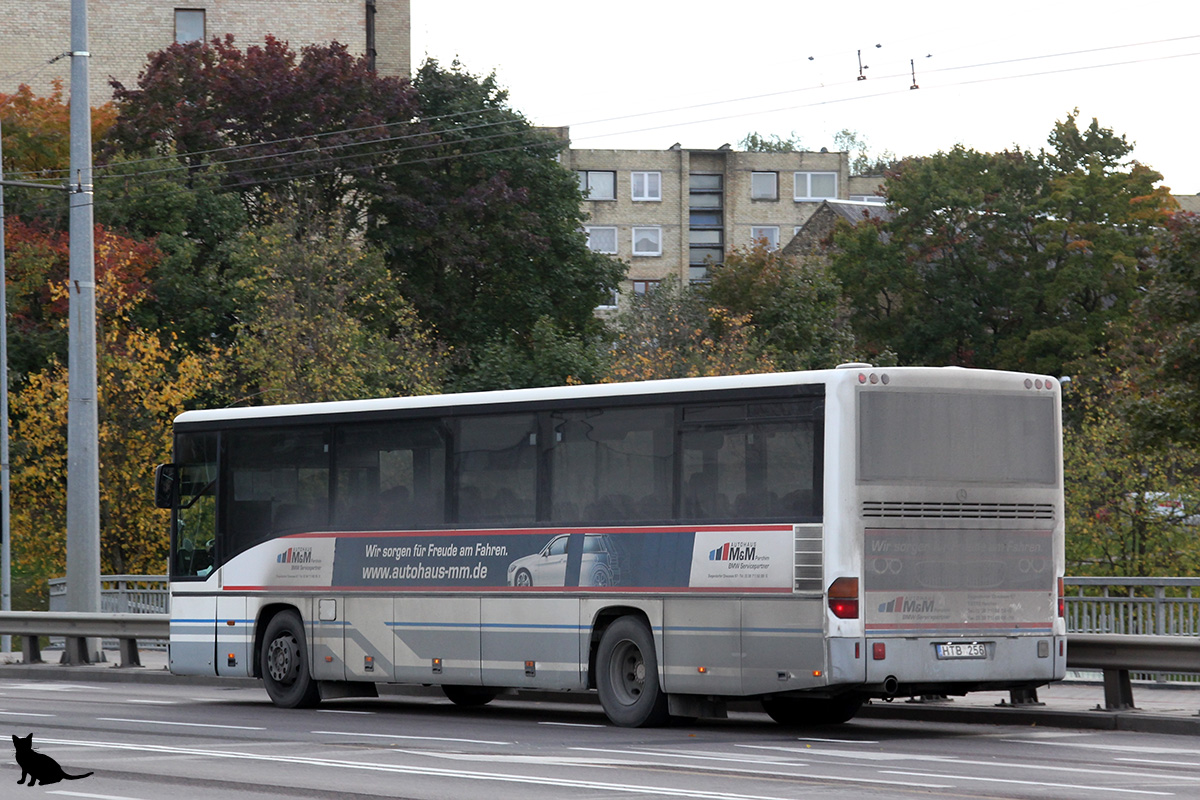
(1026,783)
(24,714)
(154,702)
(537,780)
(834,741)
(400,736)
(65,793)
(1191,764)
(1177,751)
(182,724)
(955,761)
(574,724)
(341,711)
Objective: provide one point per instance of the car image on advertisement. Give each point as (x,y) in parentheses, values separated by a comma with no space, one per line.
(549,566)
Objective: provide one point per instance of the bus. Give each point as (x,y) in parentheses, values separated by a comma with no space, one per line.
(809,540)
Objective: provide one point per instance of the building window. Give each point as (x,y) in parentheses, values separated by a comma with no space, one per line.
(189,25)
(598,185)
(647,241)
(764,185)
(645,287)
(869,198)
(816,185)
(611,301)
(647,186)
(602,240)
(706,204)
(768,232)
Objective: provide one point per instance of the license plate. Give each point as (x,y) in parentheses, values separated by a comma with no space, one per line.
(961,650)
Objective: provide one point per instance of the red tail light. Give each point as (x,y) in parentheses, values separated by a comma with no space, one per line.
(843,598)
(1062,599)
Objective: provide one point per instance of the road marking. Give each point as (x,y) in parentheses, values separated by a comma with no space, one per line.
(1027,783)
(24,714)
(183,724)
(574,724)
(341,711)
(1191,764)
(95,796)
(400,736)
(500,777)
(154,702)
(834,741)
(1178,751)
(956,761)
(761,772)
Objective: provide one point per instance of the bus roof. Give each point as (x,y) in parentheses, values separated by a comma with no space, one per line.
(598,391)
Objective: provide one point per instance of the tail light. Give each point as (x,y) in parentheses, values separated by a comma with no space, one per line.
(843,598)
(1062,599)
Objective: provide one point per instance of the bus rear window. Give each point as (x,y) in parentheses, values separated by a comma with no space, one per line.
(930,437)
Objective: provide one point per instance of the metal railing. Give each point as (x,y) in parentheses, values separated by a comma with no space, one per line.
(121,594)
(79,626)
(1133,606)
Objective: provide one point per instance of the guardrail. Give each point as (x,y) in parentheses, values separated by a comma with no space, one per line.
(78,627)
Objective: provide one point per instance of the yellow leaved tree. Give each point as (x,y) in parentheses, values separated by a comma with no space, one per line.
(144,378)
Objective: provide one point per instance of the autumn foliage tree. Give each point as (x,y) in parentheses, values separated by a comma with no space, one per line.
(144,380)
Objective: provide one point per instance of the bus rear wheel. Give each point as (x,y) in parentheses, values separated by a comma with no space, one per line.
(800,713)
(627,675)
(469,696)
(284,663)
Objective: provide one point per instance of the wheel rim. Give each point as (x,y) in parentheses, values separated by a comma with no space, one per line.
(628,671)
(283,658)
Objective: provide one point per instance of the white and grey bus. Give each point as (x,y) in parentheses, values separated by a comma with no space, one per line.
(808,539)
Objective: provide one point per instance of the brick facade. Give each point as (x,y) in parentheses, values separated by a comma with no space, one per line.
(676,214)
(121,33)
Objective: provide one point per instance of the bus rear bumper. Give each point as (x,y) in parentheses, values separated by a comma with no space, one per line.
(957,665)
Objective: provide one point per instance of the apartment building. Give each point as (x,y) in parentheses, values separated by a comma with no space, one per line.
(678,211)
(121,33)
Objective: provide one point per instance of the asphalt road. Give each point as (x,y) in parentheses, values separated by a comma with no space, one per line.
(147,741)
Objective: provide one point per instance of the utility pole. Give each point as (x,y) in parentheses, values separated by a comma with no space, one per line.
(5,527)
(83,464)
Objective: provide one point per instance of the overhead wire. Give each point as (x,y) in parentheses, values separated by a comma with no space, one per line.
(117,173)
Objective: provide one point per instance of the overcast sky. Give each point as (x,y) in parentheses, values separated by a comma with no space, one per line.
(647,74)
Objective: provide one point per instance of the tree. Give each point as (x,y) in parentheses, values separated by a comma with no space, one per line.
(1011,259)
(793,305)
(145,380)
(485,233)
(324,321)
(299,128)
(862,160)
(674,332)
(755,142)
(37,148)
(1131,508)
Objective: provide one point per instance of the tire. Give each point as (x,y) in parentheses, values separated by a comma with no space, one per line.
(523,578)
(284,663)
(802,713)
(627,676)
(469,696)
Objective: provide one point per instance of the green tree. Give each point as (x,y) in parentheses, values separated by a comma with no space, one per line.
(755,142)
(1009,260)
(324,321)
(485,235)
(673,331)
(794,306)
(1169,409)
(863,161)
(1130,507)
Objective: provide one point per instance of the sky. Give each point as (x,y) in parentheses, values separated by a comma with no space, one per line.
(991,76)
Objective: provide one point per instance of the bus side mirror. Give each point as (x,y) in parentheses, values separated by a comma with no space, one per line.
(166,485)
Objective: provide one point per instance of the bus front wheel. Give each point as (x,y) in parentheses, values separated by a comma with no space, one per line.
(284,663)
(800,713)
(627,675)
